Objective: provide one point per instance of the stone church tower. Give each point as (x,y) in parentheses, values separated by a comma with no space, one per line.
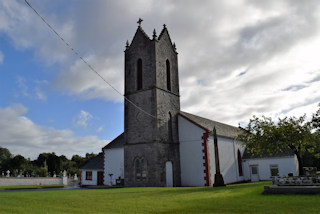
(151,151)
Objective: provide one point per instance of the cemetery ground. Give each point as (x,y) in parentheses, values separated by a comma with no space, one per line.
(238,198)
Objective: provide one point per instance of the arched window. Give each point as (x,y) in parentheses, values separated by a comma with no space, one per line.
(138,169)
(240,163)
(140,165)
(168,75)
(139,74)
(170,138)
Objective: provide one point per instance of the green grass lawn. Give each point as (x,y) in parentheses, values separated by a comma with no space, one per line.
(30,186)
(241,198)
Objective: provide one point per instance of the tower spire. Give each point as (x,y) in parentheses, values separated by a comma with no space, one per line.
(127,45)
(154,36)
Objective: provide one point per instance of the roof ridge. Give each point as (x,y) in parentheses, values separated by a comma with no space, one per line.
(183,112)
(173,45)
(143,32)
(113,141)
(94,163)
(162,32)
(222,128)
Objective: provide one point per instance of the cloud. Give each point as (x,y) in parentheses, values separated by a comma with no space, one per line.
(1,57)
(37,92)
(21,81)
(40,89)
(22,136)
(83,118)
(40,94)
(81,81)
(100,129)
(245,57)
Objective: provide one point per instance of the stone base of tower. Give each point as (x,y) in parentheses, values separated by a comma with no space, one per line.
(148,165)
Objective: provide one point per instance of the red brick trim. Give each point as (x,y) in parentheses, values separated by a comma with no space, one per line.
(206,158)
(103,167)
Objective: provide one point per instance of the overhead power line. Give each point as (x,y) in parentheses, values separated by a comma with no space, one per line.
(83,60)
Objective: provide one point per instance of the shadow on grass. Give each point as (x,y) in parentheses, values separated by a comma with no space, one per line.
(159,191)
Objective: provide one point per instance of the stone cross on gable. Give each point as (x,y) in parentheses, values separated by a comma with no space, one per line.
(139,21)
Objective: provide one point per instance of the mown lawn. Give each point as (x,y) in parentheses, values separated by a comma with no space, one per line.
(30,186)
(241,198)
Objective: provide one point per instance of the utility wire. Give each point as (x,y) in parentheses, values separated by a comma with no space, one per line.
(76,53)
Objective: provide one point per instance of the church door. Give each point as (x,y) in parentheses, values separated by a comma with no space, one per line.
(169,174)
(100,178)
(254,173)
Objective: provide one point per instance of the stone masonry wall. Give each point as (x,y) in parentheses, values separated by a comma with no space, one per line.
(147,137)
(156,154)
(14,181)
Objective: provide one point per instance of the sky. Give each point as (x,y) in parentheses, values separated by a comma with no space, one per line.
(236,59)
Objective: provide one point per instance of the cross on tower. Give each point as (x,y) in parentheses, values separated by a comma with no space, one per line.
(139,21)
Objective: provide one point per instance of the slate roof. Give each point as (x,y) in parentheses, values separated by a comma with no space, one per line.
(95,163)
(118,142)
(222,129)
(285,153)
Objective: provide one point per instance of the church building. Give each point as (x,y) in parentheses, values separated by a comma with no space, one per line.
(164,146)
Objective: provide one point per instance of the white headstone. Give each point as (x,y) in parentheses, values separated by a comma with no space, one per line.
(75,177)
(8,173)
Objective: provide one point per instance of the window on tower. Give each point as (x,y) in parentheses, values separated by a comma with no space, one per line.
(170,138)
(138,169)
(139,74)
(140,165)
(168,75)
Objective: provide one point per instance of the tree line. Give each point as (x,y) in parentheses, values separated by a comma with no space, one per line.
(47,164)
(265,136)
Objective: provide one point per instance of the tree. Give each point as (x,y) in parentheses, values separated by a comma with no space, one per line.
(316,119)
(52,161)
(265,136)
(4,154)
(18,162)
(5,157)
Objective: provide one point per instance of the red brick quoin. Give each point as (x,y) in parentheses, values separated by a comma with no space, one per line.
(206,159)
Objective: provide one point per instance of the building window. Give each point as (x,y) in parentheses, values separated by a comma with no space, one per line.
(168,75)
(240,163)
(170,137)
(254,170)
(274,170)
(89,175)
(140,169)
(139,74)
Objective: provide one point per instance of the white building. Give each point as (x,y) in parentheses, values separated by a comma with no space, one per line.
(197,157)
(166,146)
(113,160)
(266,166)
(92,172)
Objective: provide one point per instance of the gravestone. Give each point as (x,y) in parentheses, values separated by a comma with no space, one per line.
(310,171)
